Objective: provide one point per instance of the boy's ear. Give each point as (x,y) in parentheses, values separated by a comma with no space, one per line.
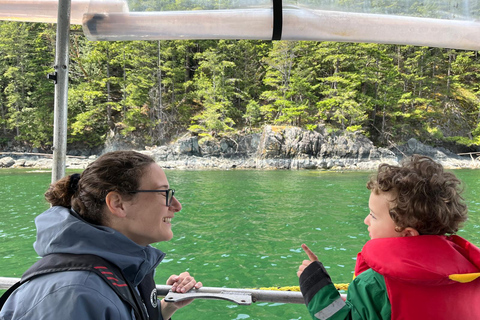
(115,204)
(410,232)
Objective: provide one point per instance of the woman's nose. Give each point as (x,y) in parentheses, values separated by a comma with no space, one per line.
(175,206)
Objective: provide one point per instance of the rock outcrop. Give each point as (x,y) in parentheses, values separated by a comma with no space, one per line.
(284,147)
(277,147)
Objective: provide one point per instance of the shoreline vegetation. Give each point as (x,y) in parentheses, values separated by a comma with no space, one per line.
(218,88)
(277,147)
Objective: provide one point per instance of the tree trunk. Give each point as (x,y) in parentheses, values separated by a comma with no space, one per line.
(449,71)
(110,121)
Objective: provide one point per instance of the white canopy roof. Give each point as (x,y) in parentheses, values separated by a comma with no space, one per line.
(436,23)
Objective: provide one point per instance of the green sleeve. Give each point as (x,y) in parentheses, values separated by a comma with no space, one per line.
(366,300)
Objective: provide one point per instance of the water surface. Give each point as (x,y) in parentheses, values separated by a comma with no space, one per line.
(237,229)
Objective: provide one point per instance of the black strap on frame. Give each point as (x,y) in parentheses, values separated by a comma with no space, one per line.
(277,20)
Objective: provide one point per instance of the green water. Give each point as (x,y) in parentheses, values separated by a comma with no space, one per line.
(237,229)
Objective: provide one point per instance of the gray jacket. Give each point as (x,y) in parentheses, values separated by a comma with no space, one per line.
(79,295)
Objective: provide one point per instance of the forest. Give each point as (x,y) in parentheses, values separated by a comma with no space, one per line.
(159,90)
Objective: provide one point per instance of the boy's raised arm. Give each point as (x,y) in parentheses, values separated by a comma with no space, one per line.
(323,300)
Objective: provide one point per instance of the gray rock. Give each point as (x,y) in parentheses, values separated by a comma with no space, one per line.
(6,162)
(413,146)
(188,146)
(19,163)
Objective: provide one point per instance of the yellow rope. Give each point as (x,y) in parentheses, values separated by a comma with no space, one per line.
(338,286)
(341,286)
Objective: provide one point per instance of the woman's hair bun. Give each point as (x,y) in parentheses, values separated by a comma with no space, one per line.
(73,183)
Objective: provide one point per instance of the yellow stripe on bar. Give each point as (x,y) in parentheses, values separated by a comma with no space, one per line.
(338,286)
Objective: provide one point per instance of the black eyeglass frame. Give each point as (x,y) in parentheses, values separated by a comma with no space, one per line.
(169,193)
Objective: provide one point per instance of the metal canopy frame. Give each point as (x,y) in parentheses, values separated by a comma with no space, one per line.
(61,90)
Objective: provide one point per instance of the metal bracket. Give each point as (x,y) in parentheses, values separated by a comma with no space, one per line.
(52,76)
(238,298)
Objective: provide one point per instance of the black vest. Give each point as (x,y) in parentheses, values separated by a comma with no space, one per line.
(145,305)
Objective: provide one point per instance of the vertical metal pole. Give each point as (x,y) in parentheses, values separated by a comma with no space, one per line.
(61,90)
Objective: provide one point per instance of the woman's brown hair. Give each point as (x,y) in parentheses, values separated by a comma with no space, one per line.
(119,171)
(425,197)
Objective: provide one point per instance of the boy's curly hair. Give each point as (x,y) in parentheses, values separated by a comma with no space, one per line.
(424,196)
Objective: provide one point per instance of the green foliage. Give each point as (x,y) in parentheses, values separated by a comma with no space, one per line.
(253,114)
(215,90)
(26,106)
(357,128)
(158,89)
(465,141)
(435,133)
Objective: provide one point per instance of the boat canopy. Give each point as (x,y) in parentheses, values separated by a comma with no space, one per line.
(436,23)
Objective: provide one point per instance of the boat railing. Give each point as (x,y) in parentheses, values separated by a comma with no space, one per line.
(239,296)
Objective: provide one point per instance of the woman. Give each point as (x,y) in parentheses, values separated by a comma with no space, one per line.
(115,209)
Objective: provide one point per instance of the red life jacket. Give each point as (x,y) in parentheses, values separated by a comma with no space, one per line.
(427,277)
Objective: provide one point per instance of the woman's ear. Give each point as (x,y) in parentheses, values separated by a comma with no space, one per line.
(410,232)
(115,204)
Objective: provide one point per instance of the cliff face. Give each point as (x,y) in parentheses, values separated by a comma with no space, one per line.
(284,147)
(293,142)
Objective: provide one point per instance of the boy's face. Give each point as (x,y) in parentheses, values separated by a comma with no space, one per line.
(379,222)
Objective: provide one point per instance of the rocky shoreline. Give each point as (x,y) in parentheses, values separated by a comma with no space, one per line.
(285,147)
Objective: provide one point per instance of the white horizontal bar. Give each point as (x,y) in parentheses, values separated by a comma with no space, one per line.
(171,25)
(377,28)
(6,283)
(257,295)
(111,20)
(47,10)
(298,24)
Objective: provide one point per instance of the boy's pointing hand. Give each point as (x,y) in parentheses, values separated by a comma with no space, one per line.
(312,256)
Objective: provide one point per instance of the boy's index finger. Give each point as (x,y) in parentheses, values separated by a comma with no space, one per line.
(312,256)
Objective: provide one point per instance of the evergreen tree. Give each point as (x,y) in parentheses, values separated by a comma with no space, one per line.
(27,97)
(214,93)
(341,87)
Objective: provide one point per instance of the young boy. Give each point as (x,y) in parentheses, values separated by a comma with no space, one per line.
(410,269)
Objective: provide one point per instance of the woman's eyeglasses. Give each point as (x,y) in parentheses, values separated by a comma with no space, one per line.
(168,194)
